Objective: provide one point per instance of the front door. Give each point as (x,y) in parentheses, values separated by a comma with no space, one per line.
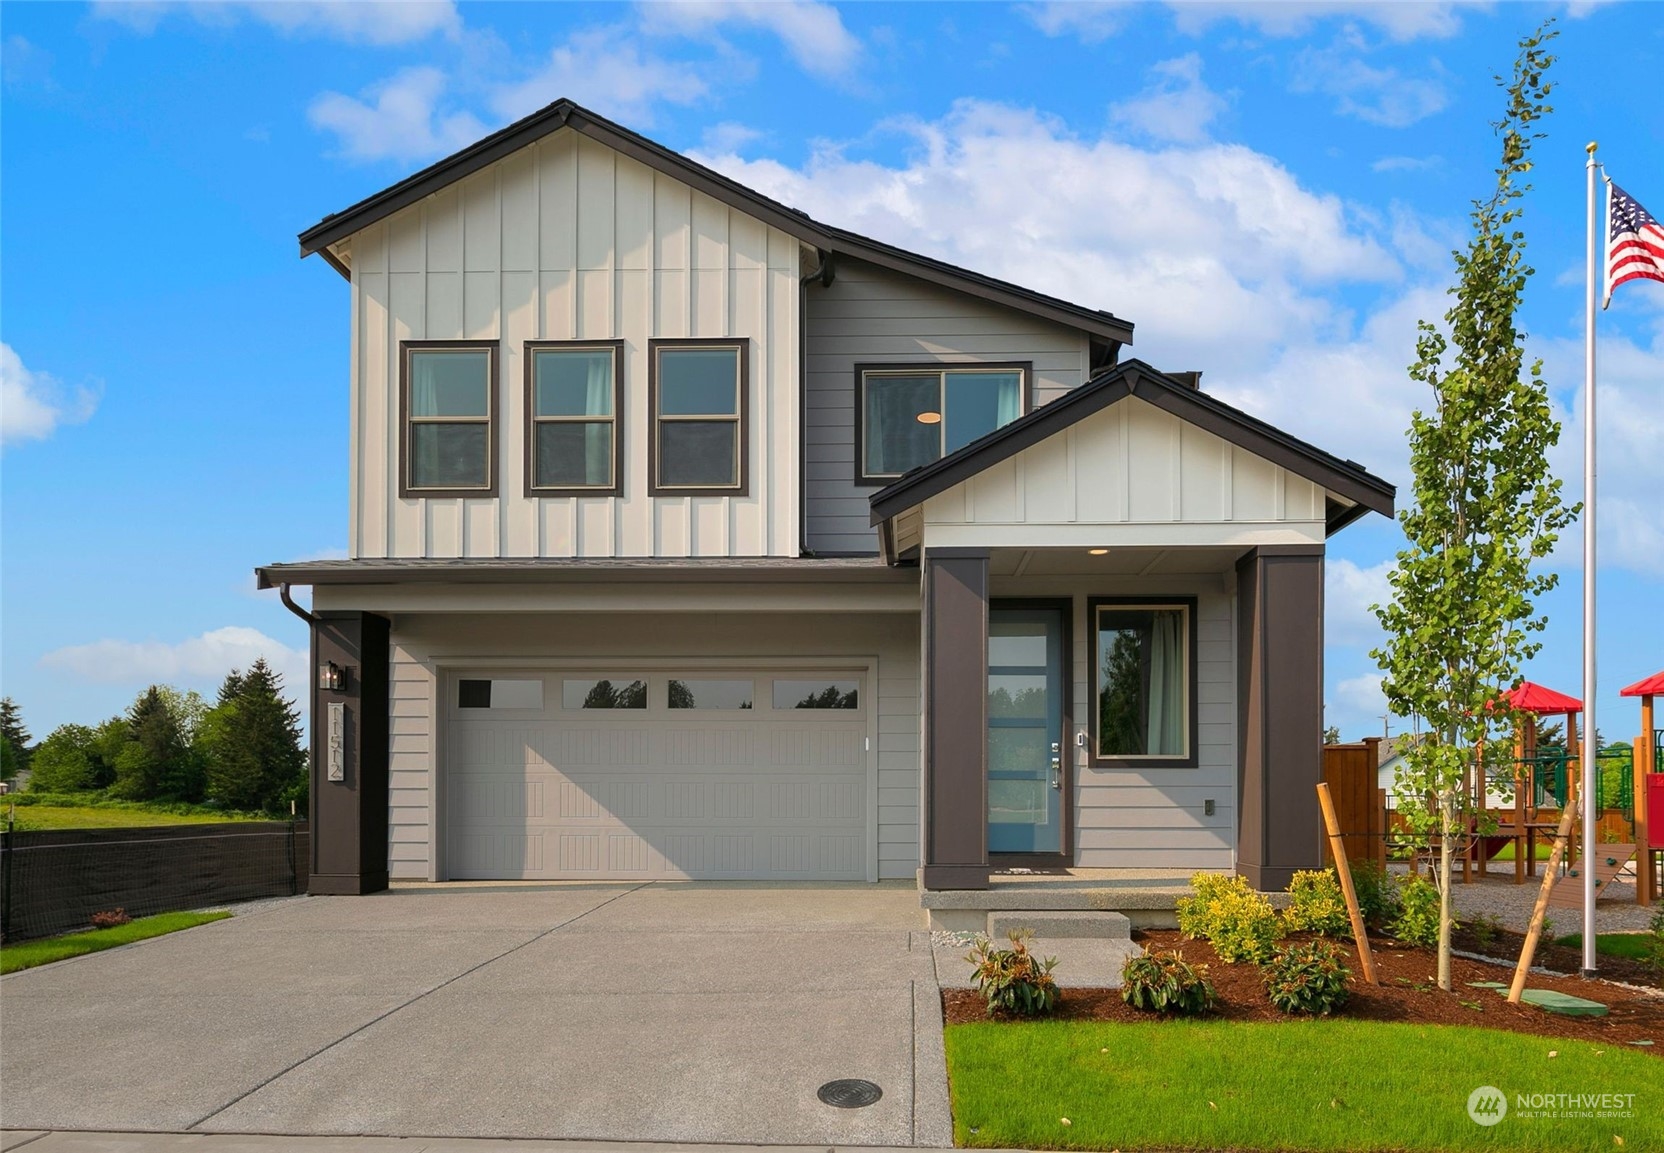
(1026,757)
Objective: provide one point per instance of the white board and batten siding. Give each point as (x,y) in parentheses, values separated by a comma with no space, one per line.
(569,240)
(868,315)
(429,649)
(1131,475)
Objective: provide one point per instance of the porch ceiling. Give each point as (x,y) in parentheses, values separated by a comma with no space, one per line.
(1118,562)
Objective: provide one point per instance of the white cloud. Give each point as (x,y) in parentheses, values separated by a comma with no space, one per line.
(34,404)
(813,33)
(1406,163)
(377,22)
(209,656)
(728,137)
(1161,235)
(403,122)
(1089,21)
(1362,695)
(1348,592)
(1176,106)
(25,65)
(603,69)
(1382,96)
(1400,20)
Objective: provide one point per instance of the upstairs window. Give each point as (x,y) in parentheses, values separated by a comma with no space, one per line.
(910,415)
(449,408)
(574,394)
(699,400)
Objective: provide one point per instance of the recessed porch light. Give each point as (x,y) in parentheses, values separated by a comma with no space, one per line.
(930,418)
(1097,551)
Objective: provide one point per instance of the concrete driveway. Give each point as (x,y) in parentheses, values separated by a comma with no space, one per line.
(657,1012)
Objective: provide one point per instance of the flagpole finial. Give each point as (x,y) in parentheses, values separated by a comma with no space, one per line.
(1590,147)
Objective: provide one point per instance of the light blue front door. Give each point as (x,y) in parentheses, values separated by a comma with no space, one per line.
(1025,731)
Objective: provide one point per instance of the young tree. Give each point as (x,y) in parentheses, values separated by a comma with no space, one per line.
(1462,614)
(251,742)
(14,740)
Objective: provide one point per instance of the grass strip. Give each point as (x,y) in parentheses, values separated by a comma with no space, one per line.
(28,954)
(1317,1086)
(1635,946)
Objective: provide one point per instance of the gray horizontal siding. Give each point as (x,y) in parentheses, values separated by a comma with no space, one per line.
(867,315)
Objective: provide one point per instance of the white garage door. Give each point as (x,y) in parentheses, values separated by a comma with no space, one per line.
(621,773)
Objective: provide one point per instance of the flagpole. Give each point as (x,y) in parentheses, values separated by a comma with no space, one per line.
(1588,795)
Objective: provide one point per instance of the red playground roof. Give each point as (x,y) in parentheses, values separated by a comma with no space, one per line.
(1653,686)
(1532,698)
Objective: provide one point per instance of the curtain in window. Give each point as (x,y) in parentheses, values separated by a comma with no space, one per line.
(598,436)
(1011,400)
(1166,685)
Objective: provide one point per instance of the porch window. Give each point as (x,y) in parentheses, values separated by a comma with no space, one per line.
(573,395)
(1144,679)
(448,403)
(699,403)
(911,416)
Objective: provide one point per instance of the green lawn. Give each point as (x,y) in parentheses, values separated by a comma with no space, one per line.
(1303,1085)
(31,811)
(28,954)
(1632,945)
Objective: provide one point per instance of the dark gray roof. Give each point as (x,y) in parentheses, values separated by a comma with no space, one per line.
(566,114)
(1342,478)
(532,570)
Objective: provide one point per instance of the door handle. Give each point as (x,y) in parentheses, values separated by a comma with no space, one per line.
(1057,772)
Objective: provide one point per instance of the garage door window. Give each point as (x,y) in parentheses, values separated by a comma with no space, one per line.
(821,694)
(703,694)
(606,693)
(499,694)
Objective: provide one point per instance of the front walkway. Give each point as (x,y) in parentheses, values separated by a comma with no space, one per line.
(657,1012)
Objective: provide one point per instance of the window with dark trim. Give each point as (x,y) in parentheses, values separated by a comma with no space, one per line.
(698,443)
(574,417)
(448,418)
(910,415)
(1143,681)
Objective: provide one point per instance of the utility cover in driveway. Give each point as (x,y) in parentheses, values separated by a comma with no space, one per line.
(634,773)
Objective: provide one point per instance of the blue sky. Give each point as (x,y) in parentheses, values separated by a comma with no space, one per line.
(1270,192)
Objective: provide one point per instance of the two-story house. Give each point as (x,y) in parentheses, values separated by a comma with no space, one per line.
(691,537)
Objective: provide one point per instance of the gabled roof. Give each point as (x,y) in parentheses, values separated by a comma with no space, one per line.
(838,241)
(1652,686)
(1341,478)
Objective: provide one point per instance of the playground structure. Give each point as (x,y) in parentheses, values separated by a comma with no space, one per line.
(1526,793)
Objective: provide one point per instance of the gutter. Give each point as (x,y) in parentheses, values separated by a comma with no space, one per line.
(289,603)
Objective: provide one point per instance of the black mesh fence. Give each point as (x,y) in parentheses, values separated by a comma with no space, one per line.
(53,881)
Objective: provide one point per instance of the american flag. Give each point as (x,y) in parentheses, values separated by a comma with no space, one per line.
(1636,251)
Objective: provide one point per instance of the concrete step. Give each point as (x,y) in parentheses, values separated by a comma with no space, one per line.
(1061,923)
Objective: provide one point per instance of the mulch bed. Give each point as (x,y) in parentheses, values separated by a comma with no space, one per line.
(1408,994)
(1559,958)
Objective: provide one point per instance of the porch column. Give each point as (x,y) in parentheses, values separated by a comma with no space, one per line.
(349,815)
(955,696)
(1279,605)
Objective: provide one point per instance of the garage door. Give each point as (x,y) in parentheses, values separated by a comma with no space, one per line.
(622,773)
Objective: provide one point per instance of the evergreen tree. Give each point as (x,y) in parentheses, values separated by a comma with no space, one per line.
(251,743)
(14,740)
(155,761)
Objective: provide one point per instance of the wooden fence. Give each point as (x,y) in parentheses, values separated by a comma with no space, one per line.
(1360,803)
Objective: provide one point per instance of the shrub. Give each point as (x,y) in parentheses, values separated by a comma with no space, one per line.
(1307,978)
(1417,921)
(1237,921)
(1014,980)
(1377,894)
(110,919)
(1164,983)
(1485,928)
(1655,942)
(1317,905)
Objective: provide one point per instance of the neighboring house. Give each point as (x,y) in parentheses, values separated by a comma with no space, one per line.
(692,537)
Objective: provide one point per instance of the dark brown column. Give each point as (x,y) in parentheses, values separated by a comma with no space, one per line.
(349,816)
(1279,603)
(955,692)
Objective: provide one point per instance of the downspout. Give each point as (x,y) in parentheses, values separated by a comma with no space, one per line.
(289,603)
